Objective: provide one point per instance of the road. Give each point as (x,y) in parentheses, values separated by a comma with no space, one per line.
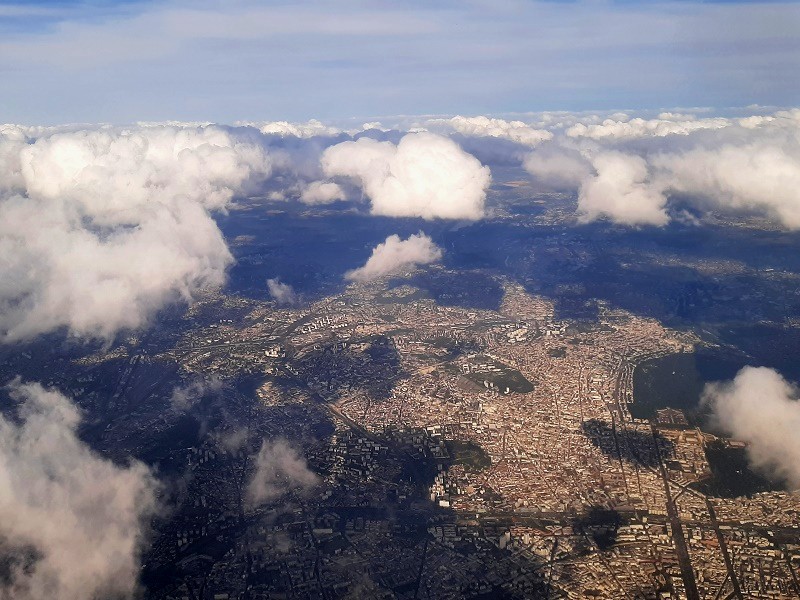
(687,572)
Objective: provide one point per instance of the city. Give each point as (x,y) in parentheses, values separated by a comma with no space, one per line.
(442,436)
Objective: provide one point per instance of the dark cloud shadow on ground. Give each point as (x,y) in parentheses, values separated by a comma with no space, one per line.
(631,445)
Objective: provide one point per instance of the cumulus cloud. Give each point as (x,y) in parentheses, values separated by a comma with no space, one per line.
(480,126)
(110,174)
(373,125)
(611,184)
(424,175)
(395,254)
(71,522)
(101,228)
(282,293)
(279,469)
(729,165)
(321,192)
(558,167)
(761,408)
(762,176)
(621,190)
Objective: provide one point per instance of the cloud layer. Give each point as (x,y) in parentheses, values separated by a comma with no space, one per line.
(761,408)
(71,521)
(101,227)
(666,124)
(395,254)
(424,175)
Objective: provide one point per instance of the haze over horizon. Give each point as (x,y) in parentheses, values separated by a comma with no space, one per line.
(131,60)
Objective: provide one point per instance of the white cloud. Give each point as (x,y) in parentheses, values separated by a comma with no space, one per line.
(13,140)
(557,166)
(282,293)
(78,516)
(667,124)
(480,126)
(395,254)
(760,176)
(424,175)
(279,469)
(754,121)
(321,192)
(621,190)
(103,227)
(373,125)
(59,272)
(761,408)
(750,164)
(308,129)
(107,173)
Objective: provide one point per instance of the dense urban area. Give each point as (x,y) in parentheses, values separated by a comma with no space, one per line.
(441,440)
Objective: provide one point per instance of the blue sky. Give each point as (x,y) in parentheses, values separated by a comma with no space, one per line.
(223,61)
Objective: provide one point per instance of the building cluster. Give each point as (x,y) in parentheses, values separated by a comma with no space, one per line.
(540,409)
